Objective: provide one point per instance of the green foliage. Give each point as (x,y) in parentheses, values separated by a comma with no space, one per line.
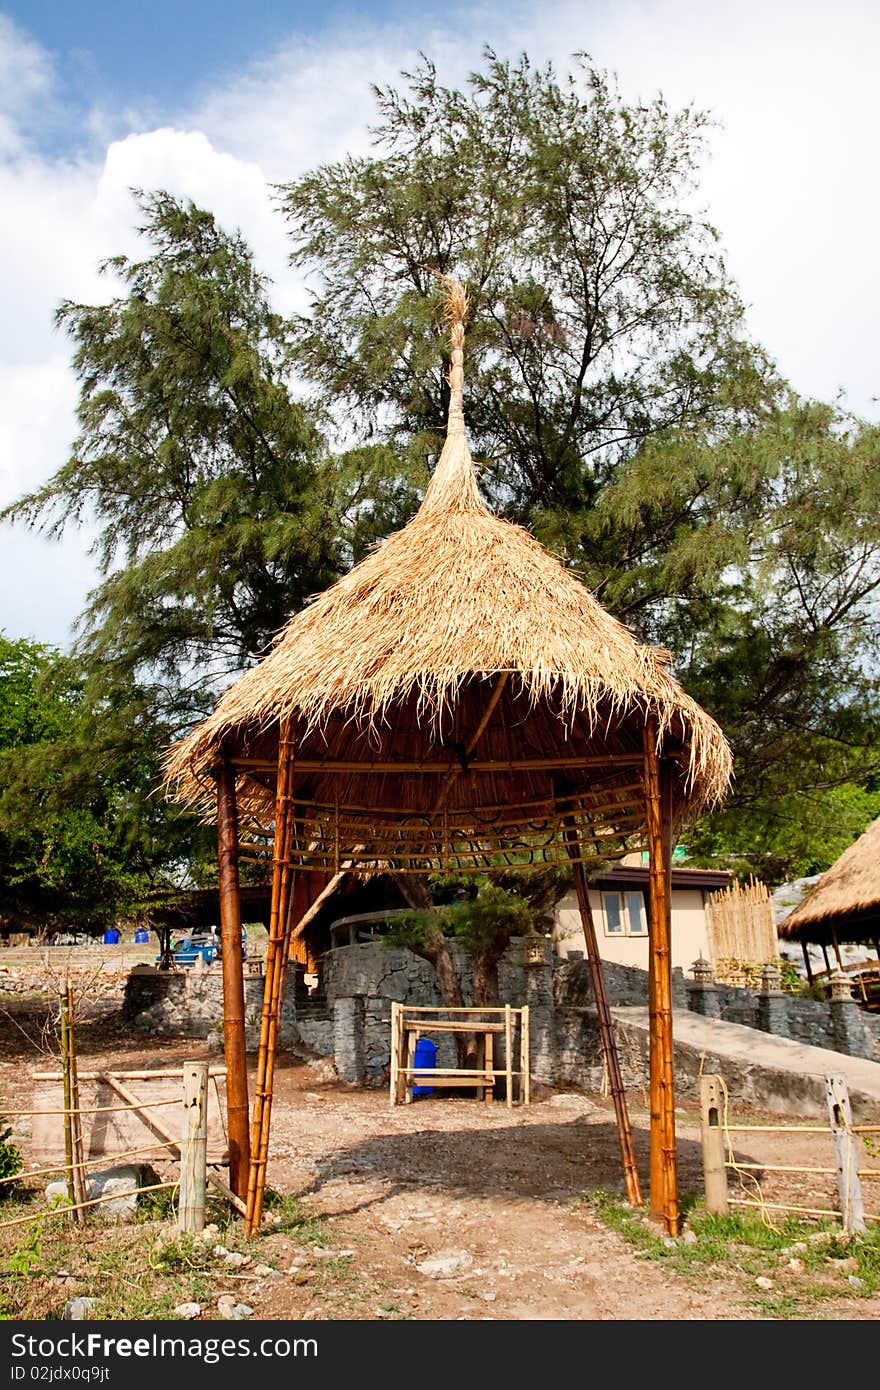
(79,834)
(10,1160)
(203,474)
(602,311)
(615,404)
(27,1252)
(482,922)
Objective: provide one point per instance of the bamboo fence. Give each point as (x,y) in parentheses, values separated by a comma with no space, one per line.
(740,926)
(848,1145)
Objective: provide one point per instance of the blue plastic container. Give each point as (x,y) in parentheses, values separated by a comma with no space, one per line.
(141,935)
(425,1060)
(111,937)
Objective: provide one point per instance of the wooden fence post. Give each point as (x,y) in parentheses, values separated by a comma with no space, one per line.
(845,1156)
(194,1149)
(714,1171)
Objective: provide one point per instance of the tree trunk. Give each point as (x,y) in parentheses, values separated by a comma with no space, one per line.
(436,950)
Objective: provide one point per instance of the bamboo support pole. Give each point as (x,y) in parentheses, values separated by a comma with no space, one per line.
(234,1042)
(712,1134)
(68,1103)
(395,1060)
(194,1149)
(79,1179)
(277,947)
(606,1033)
(525,1059)
(508,1055)
(664,1187)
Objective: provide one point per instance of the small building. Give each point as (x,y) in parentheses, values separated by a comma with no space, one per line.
(619,904)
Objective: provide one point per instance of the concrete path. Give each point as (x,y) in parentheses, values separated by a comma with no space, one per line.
(761,1069)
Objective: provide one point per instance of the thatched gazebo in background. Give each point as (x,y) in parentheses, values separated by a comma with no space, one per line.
(844,905)
(458,702)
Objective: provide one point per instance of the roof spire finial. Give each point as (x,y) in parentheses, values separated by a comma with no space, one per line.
(455,312)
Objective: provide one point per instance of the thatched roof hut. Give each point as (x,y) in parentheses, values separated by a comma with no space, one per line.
(844,905)
(459,702)
(388,675)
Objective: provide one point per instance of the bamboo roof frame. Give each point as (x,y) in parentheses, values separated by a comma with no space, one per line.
(459,701)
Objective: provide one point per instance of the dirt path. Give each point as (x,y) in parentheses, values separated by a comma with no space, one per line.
(451,1209)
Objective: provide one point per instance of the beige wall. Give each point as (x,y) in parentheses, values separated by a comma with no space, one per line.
(688,940)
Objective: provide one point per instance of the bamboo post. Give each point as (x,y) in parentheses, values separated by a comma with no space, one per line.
(525,1056)
(808,965)
(845,1157)
(79,1179)
(395,1061)
(411,1039)
(606,1033)
(275,964)
(508,1055)
(658,788)
(234,1042)
(68,1101)
(712,1134)
(194,1149)
(836,946)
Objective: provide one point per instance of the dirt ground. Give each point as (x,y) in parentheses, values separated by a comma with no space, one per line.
(449,1208)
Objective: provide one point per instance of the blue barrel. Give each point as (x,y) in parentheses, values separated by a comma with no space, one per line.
(111,937)
(425,1060)
(141,935)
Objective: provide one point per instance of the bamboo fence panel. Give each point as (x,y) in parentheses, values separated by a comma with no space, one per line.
(740,925)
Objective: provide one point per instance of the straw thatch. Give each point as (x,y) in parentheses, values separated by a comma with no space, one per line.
(457,614)
(845,903)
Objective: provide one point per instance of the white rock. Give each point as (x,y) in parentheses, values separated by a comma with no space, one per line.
(445,1264)
(78,1309)
(187,1311)
(763,1282)
(569,1100)
(689,1238)
(236,1260)
(796,1266)
(121,1183)
(242,1310)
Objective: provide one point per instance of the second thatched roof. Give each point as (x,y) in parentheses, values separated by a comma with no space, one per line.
(846,899)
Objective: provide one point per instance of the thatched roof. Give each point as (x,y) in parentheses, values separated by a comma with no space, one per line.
(457,614)
(846,899)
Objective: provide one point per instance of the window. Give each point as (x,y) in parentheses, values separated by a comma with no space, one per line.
(625,914)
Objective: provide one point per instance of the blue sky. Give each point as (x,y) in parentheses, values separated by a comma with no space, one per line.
(219,102)
(148,54)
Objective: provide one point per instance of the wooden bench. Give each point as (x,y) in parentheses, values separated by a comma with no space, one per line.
(411,1022)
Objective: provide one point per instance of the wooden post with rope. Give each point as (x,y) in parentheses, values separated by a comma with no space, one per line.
(712,1135)
(194,1149)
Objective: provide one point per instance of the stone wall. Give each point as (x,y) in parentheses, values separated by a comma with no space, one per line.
(564,1033)
(189,1004)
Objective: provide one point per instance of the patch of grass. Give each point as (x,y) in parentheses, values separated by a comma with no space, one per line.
(808,1262)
